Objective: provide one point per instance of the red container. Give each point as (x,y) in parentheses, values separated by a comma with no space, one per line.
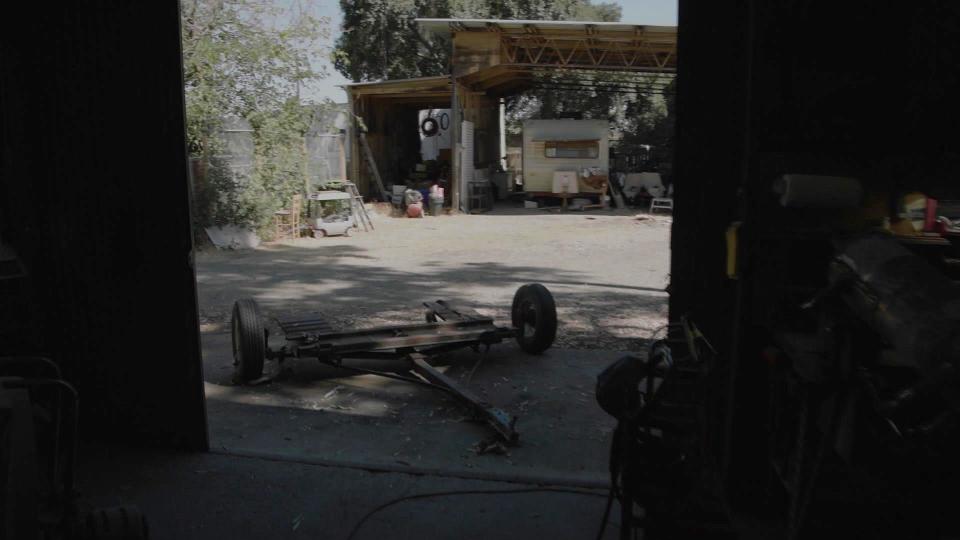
(415,210)
(930,218)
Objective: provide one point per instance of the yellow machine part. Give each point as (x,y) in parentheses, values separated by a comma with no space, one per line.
(733,232)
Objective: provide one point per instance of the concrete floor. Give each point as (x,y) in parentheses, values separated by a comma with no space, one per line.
(215,496)
(309,415)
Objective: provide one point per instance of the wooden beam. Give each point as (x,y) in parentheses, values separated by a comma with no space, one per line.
(415,95)
(606,67)
(399,90)
(423,102)
(500,80)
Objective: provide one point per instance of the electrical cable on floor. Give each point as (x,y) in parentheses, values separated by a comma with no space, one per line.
(614,485)
(432,494)
(606,513)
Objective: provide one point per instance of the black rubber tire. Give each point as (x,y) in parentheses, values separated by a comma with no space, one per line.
(119,523)
(323,233)
(249,339)
(429,127)
(430,316)
(346,232)
(534,316)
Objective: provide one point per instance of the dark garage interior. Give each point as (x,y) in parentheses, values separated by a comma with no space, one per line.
(825,383)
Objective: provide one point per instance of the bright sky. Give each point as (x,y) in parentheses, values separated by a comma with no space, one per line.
(652,12)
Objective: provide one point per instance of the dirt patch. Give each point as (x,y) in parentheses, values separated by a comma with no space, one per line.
(607,271)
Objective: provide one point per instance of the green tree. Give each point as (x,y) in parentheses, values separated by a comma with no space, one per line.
(381,40)
(652,113)
(248,59)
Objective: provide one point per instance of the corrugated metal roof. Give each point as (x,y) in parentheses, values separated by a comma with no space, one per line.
(442,26)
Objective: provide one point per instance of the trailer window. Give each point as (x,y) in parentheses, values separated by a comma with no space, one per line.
(572,149)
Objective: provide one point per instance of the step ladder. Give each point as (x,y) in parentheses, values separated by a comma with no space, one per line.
(356,205)
(661,203)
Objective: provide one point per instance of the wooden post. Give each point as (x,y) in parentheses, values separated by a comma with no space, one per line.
(342,154)
(305,169)
(455,145)
(372,165)
(354,112)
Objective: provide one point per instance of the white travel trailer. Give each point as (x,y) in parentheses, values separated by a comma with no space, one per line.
(565,146)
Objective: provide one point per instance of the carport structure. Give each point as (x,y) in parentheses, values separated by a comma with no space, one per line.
(387,112)
(492,59)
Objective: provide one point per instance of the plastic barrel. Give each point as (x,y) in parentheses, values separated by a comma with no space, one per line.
(436,206)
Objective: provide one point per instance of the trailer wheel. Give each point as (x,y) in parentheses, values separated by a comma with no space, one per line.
(534,316)
(249,339)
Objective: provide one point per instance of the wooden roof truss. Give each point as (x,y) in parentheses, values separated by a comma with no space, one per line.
(586,52)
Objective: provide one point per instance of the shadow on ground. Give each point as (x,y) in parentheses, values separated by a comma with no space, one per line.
(315,414)
(286,280)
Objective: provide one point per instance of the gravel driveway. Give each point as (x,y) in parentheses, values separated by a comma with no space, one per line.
(606,269)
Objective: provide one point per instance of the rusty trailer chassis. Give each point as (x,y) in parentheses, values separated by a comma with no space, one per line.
(409,346)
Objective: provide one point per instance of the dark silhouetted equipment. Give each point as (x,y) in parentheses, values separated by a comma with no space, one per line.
(864,395)
(38,456)
(661,471)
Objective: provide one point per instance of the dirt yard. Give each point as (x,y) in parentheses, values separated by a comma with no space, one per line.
(606,269)
(607,273)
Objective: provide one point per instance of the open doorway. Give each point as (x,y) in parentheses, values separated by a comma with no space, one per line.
(593,242)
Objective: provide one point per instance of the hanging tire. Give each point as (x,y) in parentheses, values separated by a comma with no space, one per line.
(534,316)
(429,127)
(119,523)
(249,339)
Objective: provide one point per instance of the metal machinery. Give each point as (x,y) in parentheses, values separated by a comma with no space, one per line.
(39,499)
(411,346)
(662,466)
(846,412)
(864,396)
(843,397)
(38,455)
